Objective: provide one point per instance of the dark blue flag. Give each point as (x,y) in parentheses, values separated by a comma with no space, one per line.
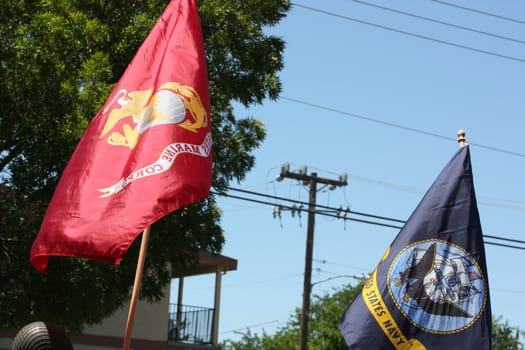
(430,289)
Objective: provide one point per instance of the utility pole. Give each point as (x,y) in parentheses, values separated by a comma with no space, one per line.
(312,180)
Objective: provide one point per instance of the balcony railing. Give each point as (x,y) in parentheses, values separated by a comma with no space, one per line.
(190,324)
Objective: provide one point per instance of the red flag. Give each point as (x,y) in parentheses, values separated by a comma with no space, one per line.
(145,154)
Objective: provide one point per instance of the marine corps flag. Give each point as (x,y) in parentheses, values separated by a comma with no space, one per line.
(430,289)
(146,153)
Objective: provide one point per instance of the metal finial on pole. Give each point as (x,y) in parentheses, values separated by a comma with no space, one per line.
(461,138)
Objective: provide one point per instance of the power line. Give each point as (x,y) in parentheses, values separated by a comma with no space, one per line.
(264,281)
(503,245)
(480,12)
(250,326)
(419,36)
(320,212)
(348,211)
(486,201)
(323,261)
(505,239)
(317,205)
(398,126)
(439,22)
(338,216)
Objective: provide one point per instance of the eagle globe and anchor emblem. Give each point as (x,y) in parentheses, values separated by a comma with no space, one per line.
(148,108)
(131,113)
(437,286)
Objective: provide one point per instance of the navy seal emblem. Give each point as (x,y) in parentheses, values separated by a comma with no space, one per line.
(437,286)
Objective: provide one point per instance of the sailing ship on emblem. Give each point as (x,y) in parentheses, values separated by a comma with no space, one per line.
(439,284)
(435,280)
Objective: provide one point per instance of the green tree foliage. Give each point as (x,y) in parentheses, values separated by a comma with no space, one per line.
(58,62)
(324,333)
(505,337)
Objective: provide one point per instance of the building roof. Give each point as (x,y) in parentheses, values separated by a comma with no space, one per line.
(208,263)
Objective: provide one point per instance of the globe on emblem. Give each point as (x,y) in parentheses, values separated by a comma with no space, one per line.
(166,107)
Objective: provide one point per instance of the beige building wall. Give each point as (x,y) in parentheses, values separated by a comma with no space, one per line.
(150,324)
(151,321)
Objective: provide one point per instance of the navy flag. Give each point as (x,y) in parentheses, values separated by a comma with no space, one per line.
(430,289)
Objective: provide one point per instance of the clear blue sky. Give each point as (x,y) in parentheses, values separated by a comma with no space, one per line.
(372,87)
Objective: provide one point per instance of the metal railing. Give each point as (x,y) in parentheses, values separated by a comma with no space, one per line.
(190,324)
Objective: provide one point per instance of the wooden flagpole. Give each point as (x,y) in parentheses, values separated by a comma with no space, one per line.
(136,288)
